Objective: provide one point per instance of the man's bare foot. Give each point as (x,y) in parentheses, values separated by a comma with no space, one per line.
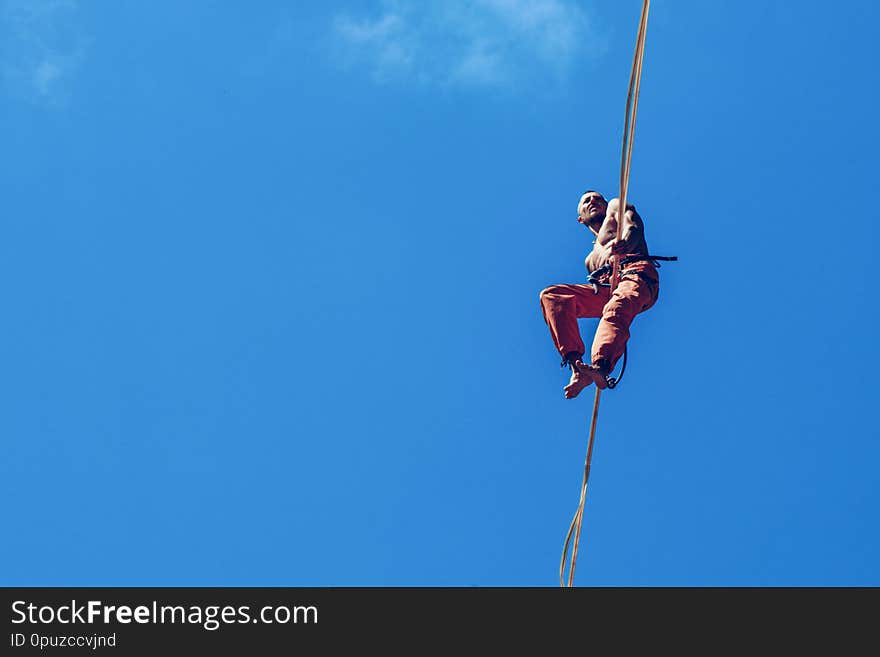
(582,376)
(579,380)
(598,374)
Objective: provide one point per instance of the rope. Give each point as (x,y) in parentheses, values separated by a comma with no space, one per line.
(611,381)
(629,128)
(575,527)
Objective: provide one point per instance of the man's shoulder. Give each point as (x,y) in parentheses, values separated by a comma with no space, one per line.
(615,204)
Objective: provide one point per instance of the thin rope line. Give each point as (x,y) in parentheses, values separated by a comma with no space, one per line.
(629,128)
(575,526)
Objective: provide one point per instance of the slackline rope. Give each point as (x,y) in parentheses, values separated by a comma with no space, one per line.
(629,128)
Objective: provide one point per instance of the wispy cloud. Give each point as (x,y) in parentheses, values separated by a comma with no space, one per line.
(473,42)
(42,49)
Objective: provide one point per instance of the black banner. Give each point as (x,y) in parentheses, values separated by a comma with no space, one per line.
(129,621)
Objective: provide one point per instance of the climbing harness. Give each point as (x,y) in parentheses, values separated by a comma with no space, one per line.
(632,102)
(594,277)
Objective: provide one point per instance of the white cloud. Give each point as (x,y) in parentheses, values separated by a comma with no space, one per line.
(42,48)
(473,42)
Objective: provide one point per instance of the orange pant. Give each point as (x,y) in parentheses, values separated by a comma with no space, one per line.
(564,304)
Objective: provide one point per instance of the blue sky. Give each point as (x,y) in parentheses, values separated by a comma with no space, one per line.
(271,285)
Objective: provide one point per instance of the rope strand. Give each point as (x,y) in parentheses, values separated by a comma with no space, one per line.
(575,526)
(629,128)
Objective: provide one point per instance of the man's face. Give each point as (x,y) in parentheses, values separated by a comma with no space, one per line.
(591,207)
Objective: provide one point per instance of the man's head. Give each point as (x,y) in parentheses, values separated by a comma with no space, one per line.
(591,209)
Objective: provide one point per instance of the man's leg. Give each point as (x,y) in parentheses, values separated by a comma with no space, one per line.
(632,296)
(562,305)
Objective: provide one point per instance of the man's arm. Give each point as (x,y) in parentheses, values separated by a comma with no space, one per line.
(632,233)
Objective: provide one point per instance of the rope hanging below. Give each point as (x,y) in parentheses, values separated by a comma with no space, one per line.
(629,127)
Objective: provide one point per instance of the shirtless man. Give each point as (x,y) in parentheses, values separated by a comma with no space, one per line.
(637,291)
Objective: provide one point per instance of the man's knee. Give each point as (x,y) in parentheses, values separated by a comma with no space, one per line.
(620,311)
(549,294)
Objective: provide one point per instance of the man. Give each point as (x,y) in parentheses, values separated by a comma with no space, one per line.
(637,291)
